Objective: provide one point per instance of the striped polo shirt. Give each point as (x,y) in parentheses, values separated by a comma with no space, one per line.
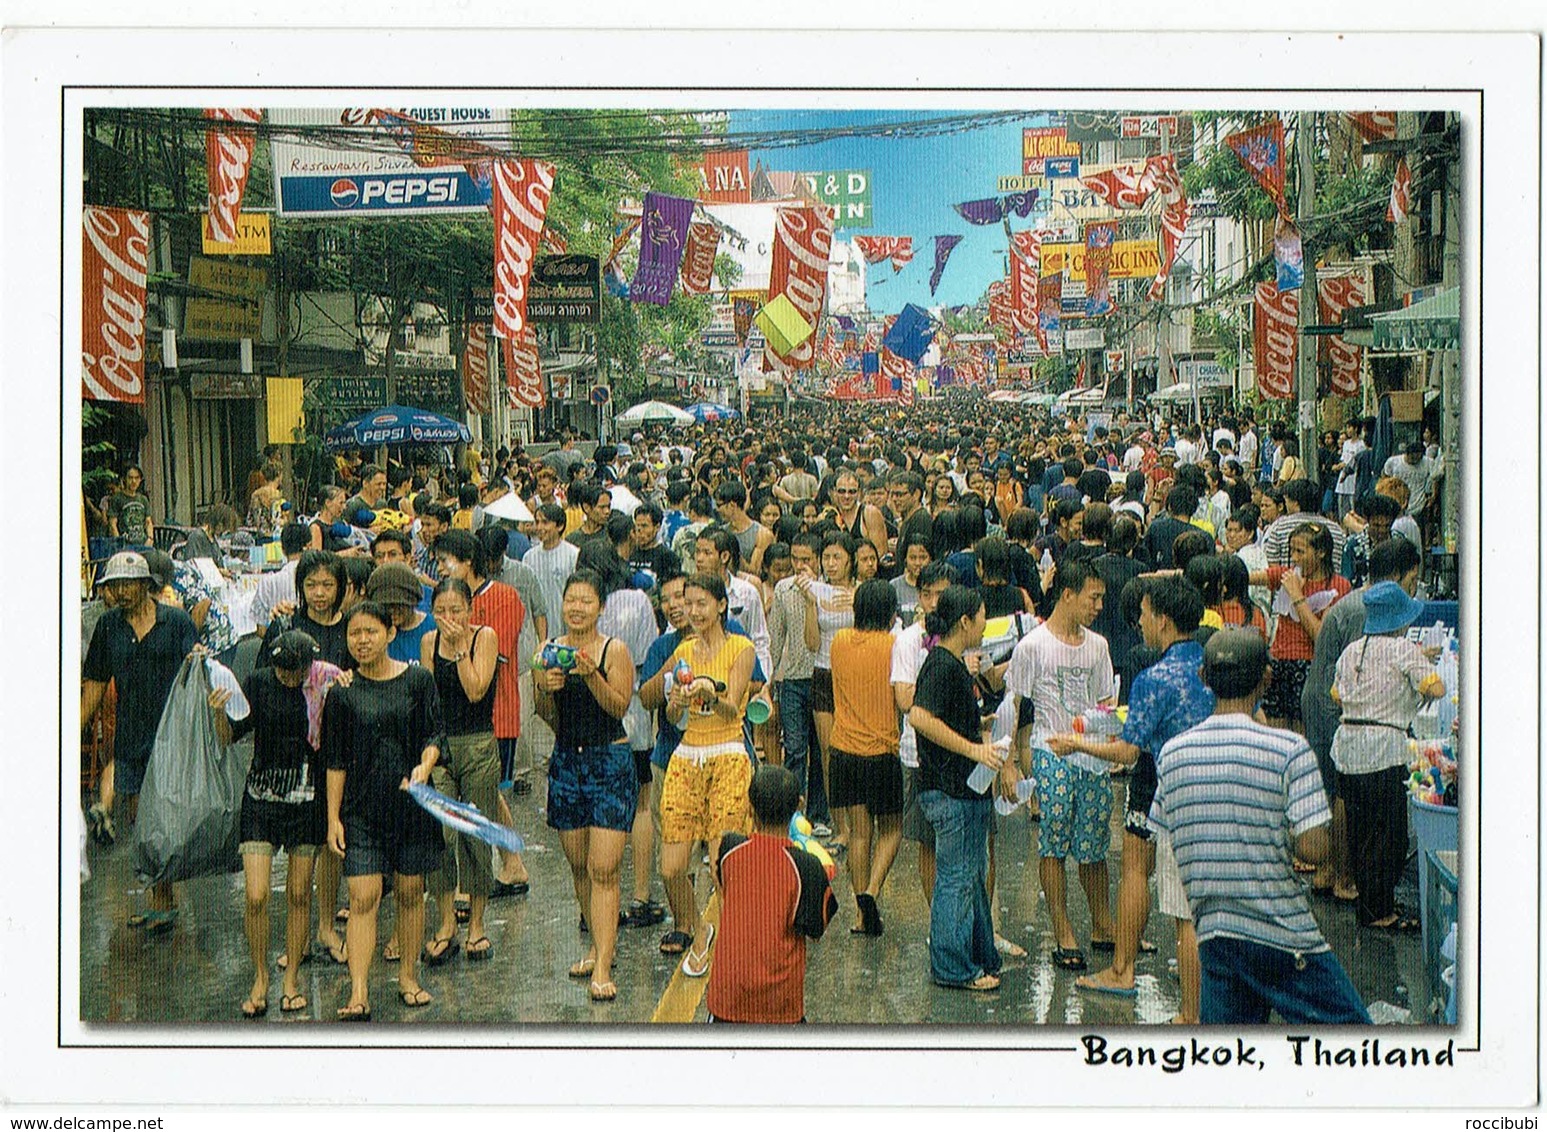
(1234,794)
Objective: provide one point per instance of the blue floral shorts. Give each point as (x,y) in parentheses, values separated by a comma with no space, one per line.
(1076,809)
(592,787)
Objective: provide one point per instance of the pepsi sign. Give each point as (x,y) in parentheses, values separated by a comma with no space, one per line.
(417,193)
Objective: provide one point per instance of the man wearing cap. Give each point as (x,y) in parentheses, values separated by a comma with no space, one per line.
(1240,802)
(138,644)
(396,587)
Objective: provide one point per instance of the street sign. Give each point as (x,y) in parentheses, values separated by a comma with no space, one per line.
(600,395)
(1150,126)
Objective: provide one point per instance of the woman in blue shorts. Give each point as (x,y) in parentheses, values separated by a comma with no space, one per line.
(592,786)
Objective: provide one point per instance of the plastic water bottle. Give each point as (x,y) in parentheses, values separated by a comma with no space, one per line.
(1098,722)
(1023,790)
(1046,562)
(983,775)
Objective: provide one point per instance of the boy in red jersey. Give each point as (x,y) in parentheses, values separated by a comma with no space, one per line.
(773,897)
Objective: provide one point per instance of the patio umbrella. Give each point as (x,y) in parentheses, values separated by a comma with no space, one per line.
(649,412)
(396,424)
(706,411)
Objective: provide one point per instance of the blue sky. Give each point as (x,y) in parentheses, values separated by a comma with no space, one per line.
(914,182)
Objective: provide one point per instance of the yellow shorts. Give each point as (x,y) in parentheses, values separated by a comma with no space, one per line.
(701,800)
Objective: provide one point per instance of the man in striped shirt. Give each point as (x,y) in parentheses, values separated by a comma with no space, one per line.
(1241,801)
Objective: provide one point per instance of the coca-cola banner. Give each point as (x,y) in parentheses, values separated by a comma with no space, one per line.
(1276,340)
(1335,294)
(523,372)
(228,154)
(115,252)
(698,263)
(475,368)
(520,202)
(803,239)
(1025,268)
(663,235)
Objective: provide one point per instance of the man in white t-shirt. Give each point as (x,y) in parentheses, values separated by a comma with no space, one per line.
(552,559)
(278,587)
(1417,471)
(1065,669)
(1348,473)
(1246,447)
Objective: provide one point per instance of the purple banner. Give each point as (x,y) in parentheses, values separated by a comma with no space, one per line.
(989,210)
(944,245)
(663,234)
(1020,203)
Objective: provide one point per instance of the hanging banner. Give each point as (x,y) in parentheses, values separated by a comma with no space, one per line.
(1025,273)
(1374,125)
(1288,255)
(1261,150)
(1275,340)
(991,210)
(228,154)
(725,177)
(1175,214)
(663,235)
(1401,194)
(744,308)
(1001,309)
(803,240)
(523,372)
(944,246)
(1121,188)
(898,249)
(475,368)
(1335,295)
(698,261)
(519,200)
(1099,238)
(115,251)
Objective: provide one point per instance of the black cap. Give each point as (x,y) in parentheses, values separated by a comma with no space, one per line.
(293,649)
(1234,661)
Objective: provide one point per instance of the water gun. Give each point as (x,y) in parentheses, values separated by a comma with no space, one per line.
(1101,722)
(555,655)
(684,675)
(800,834)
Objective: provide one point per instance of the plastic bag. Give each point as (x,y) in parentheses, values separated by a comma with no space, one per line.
(190,803)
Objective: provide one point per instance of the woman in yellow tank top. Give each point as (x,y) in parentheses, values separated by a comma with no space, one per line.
(705,790)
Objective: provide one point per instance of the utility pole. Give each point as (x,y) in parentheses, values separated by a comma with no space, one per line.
(1305,374)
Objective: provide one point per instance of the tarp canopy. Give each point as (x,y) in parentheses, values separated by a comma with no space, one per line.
(1429,324)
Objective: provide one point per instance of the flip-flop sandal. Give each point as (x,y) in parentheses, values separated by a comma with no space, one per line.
(603,992)
(501,889)
(354,1014)
(1009,947)
(341,916)
(1069,958)
(1099,988)
(445,955)
(695,964)
(983,983)
(582,969)
(476,954)
(416,998)
(290,1003)
(389,954)
(1402,925)
(255,1008)
(675,943)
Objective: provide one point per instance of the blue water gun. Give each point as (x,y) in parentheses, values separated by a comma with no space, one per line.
(555,655)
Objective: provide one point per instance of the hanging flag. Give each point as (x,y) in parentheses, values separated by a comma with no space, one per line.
(1261,150)
(1021,204)
(228,154)
(519,200)
(1374,125)
(1335,294)
(744,308)
(1122,187)
(803,240)
(724,178)
(908,334)
(1001,308)
(1025,270)
(1289,255)
(1401,194)
(1100,235)
(115,254)
(1175,213)
(1082,371)
(944,245)
(898,249)
(620,241)
(989,210)
(698,262)
(523,371)
(663,235)
(475,368)
(1275,340)
(1050,304)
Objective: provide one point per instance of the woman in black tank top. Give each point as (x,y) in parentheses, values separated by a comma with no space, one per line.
(464,659)
(583,689)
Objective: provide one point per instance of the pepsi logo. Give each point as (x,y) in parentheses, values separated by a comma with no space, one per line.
(385,419)
(345,193)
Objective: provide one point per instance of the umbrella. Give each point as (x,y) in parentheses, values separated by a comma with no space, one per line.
(654,411)
(706,411)
(396,424)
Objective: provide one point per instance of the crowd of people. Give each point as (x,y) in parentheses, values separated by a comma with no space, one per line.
(791,618)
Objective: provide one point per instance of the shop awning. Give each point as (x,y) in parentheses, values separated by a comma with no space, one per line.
(1429,324)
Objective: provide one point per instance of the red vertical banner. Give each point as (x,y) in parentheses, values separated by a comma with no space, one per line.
(519,202)
(228,154)
(725,177)
(803,240)
(1025,268)
(698,260)
(115,254)
(1276,340)
(1001,305)
(1335,294)
(475,368)
(523,371)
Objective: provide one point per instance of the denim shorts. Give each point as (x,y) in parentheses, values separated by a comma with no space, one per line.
(1076,809)
(592,788)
